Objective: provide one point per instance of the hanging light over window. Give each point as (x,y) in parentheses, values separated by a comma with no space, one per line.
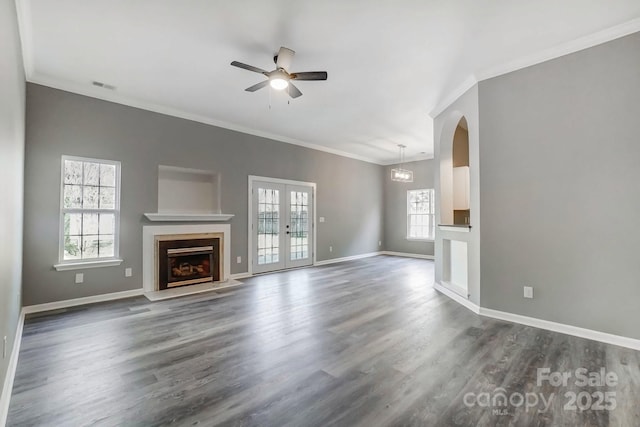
(400,174)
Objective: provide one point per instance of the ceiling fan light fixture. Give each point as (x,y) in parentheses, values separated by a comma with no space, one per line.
(280,79)
(278,83)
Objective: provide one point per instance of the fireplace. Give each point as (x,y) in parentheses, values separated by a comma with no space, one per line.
(189,266)
(186,259)
(152,235)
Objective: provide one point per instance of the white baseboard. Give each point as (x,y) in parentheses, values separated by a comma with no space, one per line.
(346,258)
(7,388)
(237,276)
(563,328)
(548,325)
(457,297)
(407,255)
(57,305)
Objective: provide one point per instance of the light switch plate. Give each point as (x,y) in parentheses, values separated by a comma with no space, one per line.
(128,272)
(321,219)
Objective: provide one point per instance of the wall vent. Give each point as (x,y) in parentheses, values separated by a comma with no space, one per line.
(103,85)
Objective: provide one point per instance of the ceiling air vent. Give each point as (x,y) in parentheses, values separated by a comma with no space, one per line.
(103,85)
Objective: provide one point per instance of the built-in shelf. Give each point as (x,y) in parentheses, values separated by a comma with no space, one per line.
(460,228)
(185,217)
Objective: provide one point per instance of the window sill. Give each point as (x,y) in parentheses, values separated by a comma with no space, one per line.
(416,239)
(81,265)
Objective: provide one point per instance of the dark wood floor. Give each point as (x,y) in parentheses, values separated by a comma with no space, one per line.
(361,343)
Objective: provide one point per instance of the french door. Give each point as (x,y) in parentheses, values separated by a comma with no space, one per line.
(282,225)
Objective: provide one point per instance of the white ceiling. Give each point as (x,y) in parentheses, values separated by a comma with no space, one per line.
(391,63)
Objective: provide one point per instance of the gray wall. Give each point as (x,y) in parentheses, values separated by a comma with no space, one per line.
(12,110)
(395,208)
(560,170)
(349,192)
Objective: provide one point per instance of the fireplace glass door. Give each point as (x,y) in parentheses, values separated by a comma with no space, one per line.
(282,228)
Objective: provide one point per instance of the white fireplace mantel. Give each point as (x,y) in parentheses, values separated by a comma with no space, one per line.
(150,232)
(188,217)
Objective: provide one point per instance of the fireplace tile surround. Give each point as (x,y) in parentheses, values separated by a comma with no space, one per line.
(151,234)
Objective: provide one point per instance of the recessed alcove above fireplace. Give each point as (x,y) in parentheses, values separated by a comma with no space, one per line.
(186,194)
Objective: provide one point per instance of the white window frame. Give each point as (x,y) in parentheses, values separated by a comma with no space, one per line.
(431,236)
(77,264)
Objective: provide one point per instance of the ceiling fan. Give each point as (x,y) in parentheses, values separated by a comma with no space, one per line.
(281,78)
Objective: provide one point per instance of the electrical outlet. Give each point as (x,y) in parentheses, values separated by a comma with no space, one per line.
(330,248)
(79,277)
(239,260)
(128,272)
(4,348)
(528,292)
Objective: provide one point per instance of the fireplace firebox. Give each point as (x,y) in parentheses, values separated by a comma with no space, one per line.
(183,262)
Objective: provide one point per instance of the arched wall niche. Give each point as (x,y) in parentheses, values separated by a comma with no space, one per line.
(461,179)
(454,171)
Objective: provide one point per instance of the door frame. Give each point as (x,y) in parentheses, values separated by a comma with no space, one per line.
(252,179)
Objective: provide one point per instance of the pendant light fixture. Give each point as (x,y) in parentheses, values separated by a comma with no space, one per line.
(400,174)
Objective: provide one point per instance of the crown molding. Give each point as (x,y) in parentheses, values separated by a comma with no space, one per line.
(453,96)
(117,98)
(562,49)
(557,51)
(23,12)
(417,158)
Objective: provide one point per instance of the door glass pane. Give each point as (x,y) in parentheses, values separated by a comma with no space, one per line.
(299,213)
(268,226)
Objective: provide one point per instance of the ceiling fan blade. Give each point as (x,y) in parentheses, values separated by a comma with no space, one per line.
(285,56)
(249,67)
(310,75)
(294,92)
(257,86)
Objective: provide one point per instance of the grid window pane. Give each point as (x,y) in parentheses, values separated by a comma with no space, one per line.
(72,172)
(72,245)
(299,232)
(106,246)
(90,194)
(90,223)
(106,224)
(89,246)
(420,214)
(72,196)
(107,175)
(268,226)
(73,224)
(107,198)
(91,173)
